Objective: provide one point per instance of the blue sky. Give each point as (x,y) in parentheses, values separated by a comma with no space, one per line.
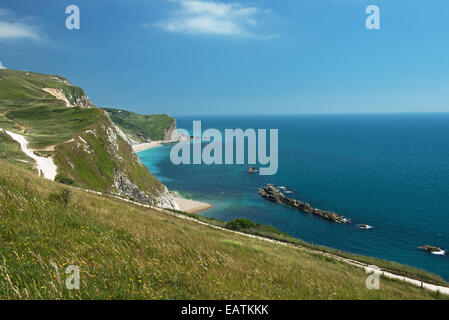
(243,57)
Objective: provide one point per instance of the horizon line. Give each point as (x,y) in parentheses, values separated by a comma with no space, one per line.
(313,114)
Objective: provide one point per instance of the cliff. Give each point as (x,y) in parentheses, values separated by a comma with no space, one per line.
(59,122)
(140,128)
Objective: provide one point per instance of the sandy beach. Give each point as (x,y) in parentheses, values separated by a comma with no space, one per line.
(147,145)
(185,205)
(192,206)
(153,144)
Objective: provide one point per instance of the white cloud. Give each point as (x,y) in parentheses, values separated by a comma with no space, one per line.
(17,30)
(213,18)
(12,27)
(2,66)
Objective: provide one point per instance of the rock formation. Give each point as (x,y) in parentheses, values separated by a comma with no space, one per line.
(364,226)
(71,101)
(252,170)
(271,193)
(124,187)
(432,249)
(171,134)
(83,102)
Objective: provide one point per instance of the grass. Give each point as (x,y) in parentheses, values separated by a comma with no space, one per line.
(46,122)
(128,252)
(96,168)
(270,232)
(19,88)
(141,127)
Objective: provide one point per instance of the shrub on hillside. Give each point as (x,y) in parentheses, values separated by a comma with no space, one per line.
(240,224)
(63,179)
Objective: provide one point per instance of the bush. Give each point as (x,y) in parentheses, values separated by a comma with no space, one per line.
(63,179)
(240,224)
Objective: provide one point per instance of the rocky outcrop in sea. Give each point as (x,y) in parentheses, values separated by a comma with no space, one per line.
(252,170)
(273,194)
(433,250)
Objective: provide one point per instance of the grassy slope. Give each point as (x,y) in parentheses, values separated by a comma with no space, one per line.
(126,251)
(96,169)
(273,233)
(26,109)
(141,127)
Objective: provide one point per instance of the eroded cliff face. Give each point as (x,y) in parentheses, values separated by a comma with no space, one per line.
(159,196)
(83,101)
(72,96)
(87,148)
(128,138)
(171,134)
(166,200)
(124,187)
(102,160)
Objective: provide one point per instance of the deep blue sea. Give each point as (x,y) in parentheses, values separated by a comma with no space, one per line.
(387,171)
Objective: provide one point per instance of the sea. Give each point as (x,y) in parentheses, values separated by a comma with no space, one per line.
(388,171)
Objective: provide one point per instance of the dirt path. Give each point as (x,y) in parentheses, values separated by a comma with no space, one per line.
(45,166)
(366,267)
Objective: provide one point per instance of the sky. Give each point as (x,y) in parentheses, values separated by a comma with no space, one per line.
(185,57)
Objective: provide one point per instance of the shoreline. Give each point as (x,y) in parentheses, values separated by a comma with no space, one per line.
(146,145)
(150,145)
(192,206)
(186,205)
(198,207)
(368,267)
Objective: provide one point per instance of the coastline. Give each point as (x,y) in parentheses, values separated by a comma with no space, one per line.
(192,206)
(186,205)
(152,144)
(337,255)
(148,145)
(190,179)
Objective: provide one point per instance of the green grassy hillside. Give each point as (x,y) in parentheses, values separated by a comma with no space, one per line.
(20,89)
(142,127)
(87,149)
(125,251)
(27,109)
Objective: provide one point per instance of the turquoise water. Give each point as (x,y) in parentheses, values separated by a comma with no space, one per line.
(387,171)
